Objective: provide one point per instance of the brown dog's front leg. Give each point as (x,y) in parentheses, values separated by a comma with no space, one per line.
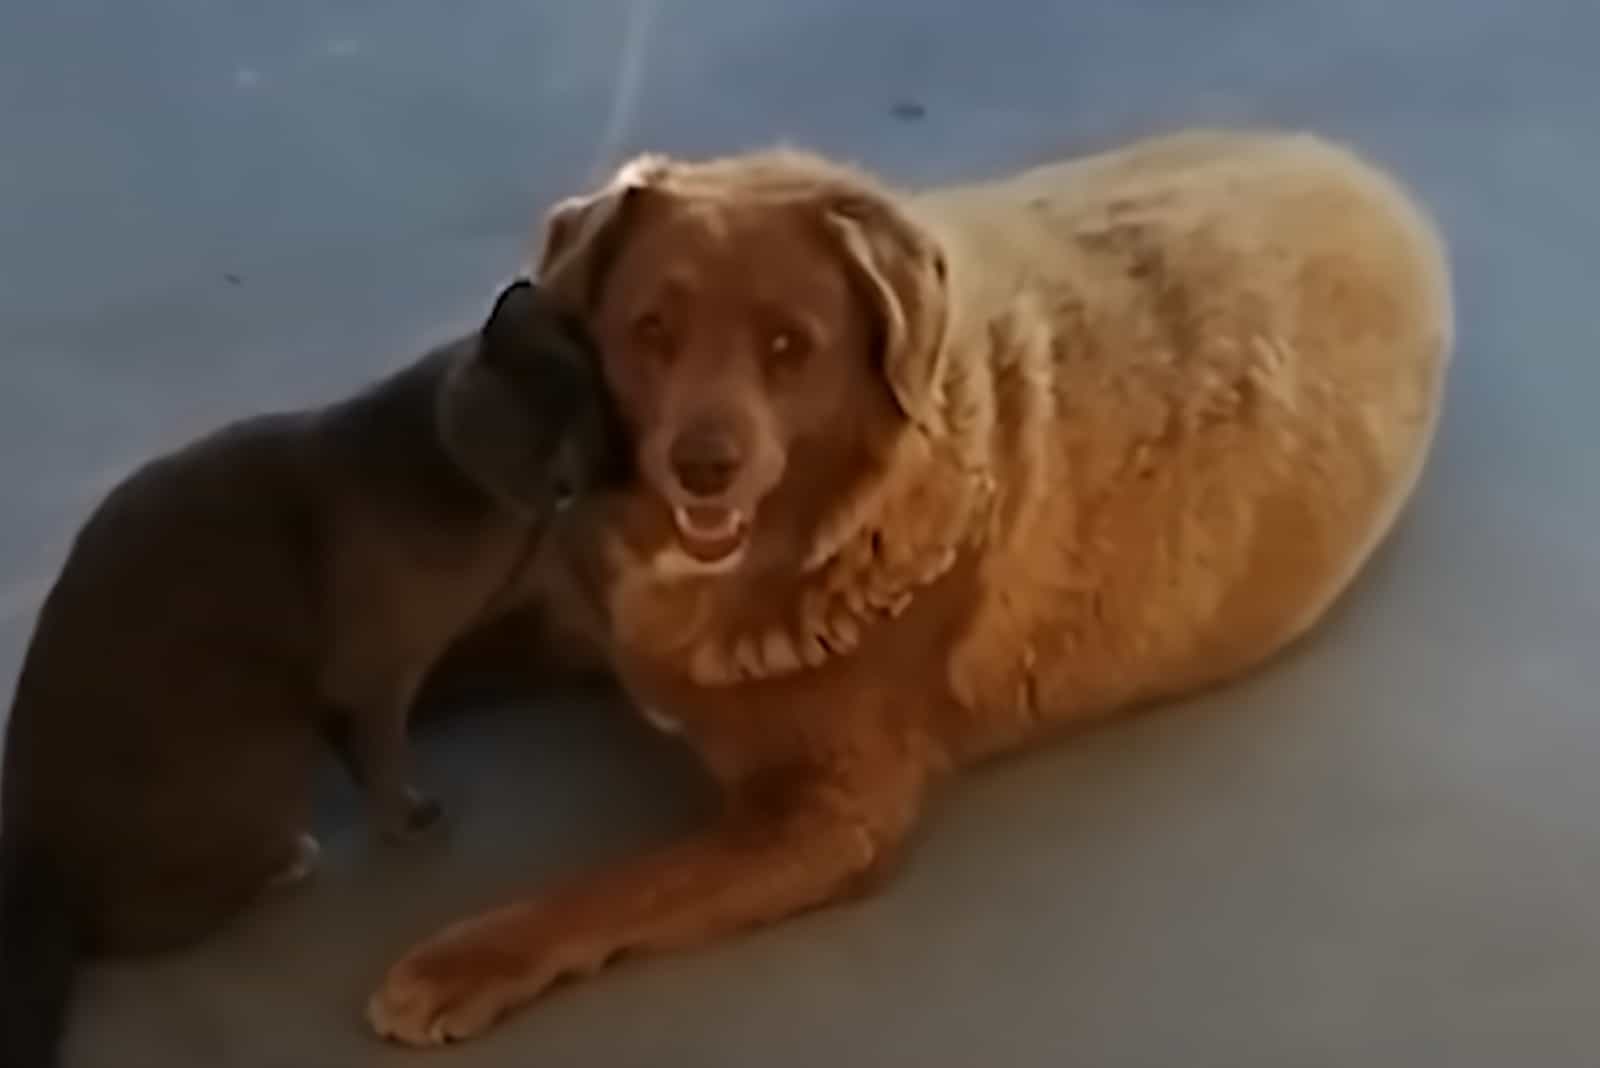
(778,856)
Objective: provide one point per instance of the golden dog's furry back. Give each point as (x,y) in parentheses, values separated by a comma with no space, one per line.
(1216,361)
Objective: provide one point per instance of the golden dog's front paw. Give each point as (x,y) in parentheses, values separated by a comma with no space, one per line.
(446,991)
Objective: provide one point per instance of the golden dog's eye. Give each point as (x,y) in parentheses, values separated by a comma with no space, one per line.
(788,347)
(652,338)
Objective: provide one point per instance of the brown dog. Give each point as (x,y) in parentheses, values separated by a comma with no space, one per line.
(287,579)
(926,476)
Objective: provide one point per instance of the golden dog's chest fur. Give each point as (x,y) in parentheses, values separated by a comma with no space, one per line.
(1153,410)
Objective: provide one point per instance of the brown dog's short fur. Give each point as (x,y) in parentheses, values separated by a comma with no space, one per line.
(971,464)
(284,580)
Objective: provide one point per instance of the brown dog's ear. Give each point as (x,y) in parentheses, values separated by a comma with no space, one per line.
(582,234)
(904,270)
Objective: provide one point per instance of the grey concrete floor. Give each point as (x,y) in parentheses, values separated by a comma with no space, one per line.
(1384,851)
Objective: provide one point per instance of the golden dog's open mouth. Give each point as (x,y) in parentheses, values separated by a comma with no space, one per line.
(710,535)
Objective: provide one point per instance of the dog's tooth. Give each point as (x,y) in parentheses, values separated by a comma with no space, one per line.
(899,604)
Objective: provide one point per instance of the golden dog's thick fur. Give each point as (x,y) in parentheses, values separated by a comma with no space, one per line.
(1151,411)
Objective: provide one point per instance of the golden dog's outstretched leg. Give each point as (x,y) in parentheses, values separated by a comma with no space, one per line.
(778,852)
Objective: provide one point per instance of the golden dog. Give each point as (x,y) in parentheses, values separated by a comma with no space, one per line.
(925,476)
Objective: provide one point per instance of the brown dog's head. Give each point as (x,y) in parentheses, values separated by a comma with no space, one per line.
(766,325)
(522,410)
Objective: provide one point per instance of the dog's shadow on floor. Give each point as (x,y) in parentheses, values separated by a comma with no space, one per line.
(533,789)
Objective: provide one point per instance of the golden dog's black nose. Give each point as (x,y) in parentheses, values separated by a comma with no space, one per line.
(705,458)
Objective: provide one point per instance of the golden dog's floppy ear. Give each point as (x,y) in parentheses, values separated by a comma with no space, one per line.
(582,234)
(904,270)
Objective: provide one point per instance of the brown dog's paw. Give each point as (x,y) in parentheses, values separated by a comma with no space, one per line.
(447,990)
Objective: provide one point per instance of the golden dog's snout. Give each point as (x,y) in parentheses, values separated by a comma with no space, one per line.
(706,457)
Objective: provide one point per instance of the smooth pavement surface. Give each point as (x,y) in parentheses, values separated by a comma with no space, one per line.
(1383,851)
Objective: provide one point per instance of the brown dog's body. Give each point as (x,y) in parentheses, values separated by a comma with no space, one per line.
(281,582)
(926,476)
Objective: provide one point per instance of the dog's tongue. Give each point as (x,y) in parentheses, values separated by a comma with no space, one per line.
(711,521)
(709,534)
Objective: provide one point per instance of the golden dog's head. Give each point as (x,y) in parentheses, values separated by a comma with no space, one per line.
(768,325)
